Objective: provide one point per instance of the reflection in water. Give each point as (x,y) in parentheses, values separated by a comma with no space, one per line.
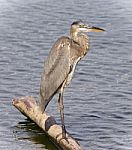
(27,130)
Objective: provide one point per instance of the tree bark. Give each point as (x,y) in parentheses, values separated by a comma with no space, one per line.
(28,107)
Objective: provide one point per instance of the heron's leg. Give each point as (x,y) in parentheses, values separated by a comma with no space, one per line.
(61,106)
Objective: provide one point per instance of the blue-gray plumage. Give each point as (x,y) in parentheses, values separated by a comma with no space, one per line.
(60,64)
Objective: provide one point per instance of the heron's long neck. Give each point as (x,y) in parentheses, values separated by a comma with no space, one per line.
(81,39)
(74,36)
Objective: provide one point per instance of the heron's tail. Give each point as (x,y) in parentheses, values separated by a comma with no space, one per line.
(45,95)
(44,101)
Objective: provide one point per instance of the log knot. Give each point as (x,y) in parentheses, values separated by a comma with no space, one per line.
(49,122)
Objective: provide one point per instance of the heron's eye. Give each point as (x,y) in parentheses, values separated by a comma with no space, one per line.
(81,25)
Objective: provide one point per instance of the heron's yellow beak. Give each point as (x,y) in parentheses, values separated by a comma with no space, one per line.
(95,29)
(86,28)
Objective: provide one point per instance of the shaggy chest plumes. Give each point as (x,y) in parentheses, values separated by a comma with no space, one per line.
(79,50)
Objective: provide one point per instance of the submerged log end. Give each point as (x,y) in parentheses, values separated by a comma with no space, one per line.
(28,106)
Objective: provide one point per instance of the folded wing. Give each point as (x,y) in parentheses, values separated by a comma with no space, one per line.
(56,68)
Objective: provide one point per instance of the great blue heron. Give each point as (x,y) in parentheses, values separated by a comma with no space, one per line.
(60,65)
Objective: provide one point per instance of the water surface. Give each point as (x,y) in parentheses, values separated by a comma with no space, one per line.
(98,107)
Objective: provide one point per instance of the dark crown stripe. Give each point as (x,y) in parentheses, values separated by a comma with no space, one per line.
(76,22)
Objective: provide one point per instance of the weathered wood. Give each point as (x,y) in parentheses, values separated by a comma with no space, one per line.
(28,107)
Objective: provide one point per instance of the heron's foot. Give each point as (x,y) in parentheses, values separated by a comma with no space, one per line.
(64,137)
(64,134)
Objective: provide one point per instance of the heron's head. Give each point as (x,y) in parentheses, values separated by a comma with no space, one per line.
(79,26)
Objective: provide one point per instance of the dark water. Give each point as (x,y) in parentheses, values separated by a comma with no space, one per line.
(98,103)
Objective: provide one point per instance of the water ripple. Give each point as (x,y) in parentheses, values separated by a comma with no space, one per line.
(98,101)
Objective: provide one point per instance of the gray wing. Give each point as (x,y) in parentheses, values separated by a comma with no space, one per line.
(56,69)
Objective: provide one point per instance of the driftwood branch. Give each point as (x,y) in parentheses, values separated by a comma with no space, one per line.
(28,107)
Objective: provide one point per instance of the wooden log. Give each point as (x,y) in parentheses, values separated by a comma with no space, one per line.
(28,107)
